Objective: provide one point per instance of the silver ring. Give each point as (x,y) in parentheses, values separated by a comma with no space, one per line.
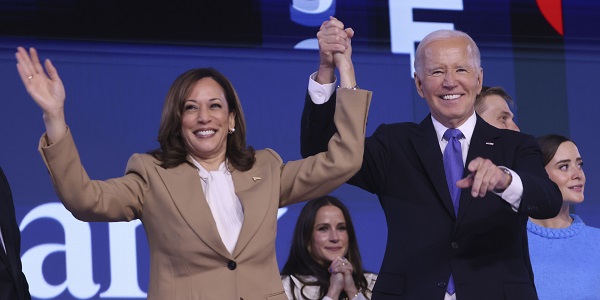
(29,77)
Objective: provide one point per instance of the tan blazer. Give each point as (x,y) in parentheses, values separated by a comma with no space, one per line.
(188,260)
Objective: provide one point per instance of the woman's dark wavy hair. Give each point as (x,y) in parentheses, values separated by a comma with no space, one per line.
(302,262)
(172,151)
(549,144)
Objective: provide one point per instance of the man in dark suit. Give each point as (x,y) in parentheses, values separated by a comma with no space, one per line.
(439,246)
(13,285)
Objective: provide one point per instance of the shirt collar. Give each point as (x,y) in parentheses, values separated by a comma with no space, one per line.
(466,128)
(204,173)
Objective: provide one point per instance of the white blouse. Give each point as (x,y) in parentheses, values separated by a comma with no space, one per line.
(224,204)
(312,292)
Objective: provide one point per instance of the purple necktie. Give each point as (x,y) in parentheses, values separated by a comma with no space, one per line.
(453,165)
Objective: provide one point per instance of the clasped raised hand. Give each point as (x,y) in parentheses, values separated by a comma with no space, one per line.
(335,48)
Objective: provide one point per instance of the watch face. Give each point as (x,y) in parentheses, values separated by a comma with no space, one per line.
(507,171)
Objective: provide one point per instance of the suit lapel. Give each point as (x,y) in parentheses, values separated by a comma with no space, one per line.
(482,144)
(8,225)
(3,255)
(183,184)
(6,222)
(428,150)
(255,201)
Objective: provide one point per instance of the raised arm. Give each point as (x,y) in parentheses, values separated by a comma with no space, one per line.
(342,151)
(335,50)
(46,89)
(333,39)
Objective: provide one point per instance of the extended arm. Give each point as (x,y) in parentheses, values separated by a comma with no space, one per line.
(317,126)
(541,197)
(335,49)
(344,146)
(88,200)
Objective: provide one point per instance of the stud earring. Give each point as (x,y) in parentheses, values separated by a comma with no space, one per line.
(231,130)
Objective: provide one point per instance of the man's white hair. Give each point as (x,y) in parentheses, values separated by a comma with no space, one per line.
(444,34)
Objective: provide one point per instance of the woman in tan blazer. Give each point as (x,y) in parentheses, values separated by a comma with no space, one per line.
(208,202)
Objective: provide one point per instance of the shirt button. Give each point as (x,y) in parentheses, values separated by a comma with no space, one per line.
(454,245)
(231,265)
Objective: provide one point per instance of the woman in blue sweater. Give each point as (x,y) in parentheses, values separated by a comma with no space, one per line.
(565,253)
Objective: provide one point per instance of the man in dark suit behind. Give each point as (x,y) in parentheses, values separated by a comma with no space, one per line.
(479,250)
(13,284)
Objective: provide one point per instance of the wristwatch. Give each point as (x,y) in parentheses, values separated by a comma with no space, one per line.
(507,171)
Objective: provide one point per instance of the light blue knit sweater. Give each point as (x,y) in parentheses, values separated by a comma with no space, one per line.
(565,261)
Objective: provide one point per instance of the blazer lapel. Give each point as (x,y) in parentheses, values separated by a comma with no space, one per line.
(183,184)
(3,255)
(8,226)
(254,191)
(428,150)
(5,225)
(482,145)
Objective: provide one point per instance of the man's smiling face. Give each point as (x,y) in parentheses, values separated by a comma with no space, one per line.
(449,80)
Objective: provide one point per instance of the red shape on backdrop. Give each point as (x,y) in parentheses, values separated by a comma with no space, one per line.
(552,11)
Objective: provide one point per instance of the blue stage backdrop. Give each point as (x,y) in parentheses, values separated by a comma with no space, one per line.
(544,53)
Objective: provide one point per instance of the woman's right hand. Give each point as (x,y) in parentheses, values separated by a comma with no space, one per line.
(343,59)
(341,278)
(332,38)
(46,89)
(336,285)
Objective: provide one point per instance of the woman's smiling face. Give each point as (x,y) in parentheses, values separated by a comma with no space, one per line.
(329,238)
(206,121)
(566,170)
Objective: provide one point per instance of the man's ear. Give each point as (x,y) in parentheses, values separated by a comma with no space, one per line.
(418,85)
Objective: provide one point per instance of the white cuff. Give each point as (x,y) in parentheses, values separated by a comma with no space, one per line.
(514,192)
(320,93)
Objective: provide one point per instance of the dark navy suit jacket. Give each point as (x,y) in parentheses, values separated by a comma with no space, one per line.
(13,285)
(484,247)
